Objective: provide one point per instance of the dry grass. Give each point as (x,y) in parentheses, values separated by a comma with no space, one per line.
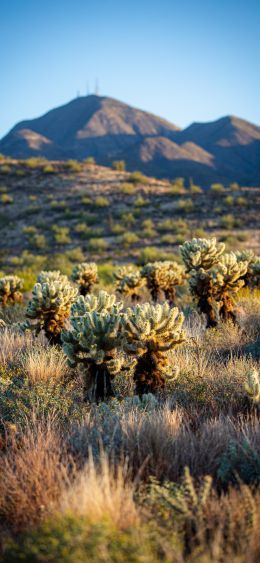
(32,474)
(102,493)
(44,364)
(13,345)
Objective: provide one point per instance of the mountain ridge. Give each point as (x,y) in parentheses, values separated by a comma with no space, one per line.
(227,149)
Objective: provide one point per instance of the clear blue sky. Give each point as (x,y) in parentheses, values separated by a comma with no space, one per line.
(185,60)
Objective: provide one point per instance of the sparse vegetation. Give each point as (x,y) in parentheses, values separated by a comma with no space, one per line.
(129,429)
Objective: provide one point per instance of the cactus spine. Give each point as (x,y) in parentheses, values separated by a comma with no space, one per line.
(150,332)
(85,275)
(10,293)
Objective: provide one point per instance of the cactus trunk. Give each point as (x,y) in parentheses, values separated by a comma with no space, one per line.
(148,376)
(226,311)
(170,295)
(98,384)
(207,309)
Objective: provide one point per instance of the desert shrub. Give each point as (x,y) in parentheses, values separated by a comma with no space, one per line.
(5,169)
(85,276)
(61,234)
(129,238)
(186,205)
(97,244)
(6,199)
(34,162)
(127,188)
(138,178)
(229,221)
(74,166)
(89,160)
(49,169)
(140,201)
(101,201)
(217,188)
(118,165)
(128,218)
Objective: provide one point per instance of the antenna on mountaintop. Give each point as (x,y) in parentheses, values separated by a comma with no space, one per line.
(87,89)
(97,87)
(78,93)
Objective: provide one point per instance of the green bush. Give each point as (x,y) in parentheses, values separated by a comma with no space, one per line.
(74,166)
(138,178)
(128,239)
(61,234)
(118,165)
(217,188)
(97,244)
(127,188)
(101,201)
(6,199)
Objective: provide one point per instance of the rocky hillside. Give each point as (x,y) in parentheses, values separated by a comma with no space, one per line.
(224,150)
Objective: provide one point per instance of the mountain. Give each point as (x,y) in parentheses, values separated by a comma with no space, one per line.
(224,150)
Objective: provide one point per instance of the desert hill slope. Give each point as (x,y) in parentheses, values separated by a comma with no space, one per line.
(224,150)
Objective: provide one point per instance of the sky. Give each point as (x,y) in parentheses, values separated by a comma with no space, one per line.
(184,60)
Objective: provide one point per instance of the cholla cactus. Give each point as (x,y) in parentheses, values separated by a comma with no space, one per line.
(150,332)
(95,341)
(50,307)
(85,275)
(214,278)
(252,275)
(103,301)
(163,276)
(129,282)
(253,385)
(10,287)
(227,278)
(201,253)
(51,276)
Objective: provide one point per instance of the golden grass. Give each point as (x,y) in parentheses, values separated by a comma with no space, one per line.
(102,493)
(32,474)
(44,364)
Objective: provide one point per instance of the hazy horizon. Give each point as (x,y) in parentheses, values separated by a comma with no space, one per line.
(184,63)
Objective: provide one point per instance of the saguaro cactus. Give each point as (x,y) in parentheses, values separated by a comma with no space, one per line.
(150,332)
(50,307)
(85,275)
(10,293)
(95,342)
(129,282)
(163,277)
